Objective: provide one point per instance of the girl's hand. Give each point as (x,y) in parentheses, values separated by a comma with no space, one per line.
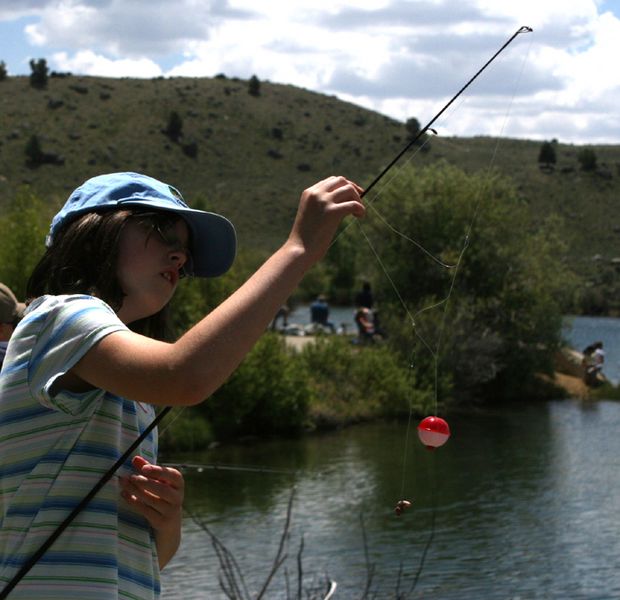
(157,494)
(321,209)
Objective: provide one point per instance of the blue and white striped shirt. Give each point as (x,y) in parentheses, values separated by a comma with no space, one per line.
(54,449)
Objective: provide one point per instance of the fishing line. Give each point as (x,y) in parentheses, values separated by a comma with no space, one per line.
(436,350)
(409,239)
(226,467)
(369,202)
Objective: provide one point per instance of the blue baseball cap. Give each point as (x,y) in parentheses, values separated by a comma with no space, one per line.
(214,241)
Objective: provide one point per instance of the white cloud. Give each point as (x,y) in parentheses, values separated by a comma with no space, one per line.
(11,11)
(129,29)
(87,62)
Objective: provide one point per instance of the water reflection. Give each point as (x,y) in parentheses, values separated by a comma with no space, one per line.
(522,502)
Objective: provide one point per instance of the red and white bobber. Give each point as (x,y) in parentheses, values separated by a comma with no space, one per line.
(433,432)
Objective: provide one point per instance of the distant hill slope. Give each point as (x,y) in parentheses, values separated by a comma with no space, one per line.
(253,155)
(250,156)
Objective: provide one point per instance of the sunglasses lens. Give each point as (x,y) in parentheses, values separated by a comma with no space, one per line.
(163,225)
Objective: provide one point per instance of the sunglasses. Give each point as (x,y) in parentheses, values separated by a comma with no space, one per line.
(163,225)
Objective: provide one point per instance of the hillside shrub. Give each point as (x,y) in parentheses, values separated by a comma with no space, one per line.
(547,155)
(38,73)
(190,149)
(413,127)
(587,159)
(3,71)
(254,86)
(174,126)
(33,151)
(35,156)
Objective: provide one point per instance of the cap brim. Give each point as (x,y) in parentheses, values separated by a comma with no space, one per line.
(214,240)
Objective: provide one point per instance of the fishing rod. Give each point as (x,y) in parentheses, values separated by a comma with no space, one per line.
(428,126)
(32,561)
(29,564)
(26,567)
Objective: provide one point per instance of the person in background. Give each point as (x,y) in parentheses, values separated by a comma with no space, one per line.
(593,361)
(365,325)
(598,356)
(319,313)
(11,311)
(364,298)
(283,313)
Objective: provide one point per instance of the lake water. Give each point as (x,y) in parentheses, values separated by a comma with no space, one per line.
(337,315)
(522,502)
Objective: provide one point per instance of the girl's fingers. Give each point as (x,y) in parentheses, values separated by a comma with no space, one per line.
(152,491)
(151,513)
(168,475)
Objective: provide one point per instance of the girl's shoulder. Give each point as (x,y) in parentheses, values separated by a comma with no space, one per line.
(68,303)
(66,315)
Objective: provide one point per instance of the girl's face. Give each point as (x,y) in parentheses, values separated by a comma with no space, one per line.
(153,249)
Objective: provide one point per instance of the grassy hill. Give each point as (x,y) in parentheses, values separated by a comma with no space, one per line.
(250,156)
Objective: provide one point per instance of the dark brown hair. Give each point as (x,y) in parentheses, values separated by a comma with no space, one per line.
(83,260)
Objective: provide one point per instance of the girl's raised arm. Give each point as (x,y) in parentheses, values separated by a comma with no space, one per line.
(191,369)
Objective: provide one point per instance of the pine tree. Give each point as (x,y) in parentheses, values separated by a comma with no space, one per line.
(174,129)
(254,86)
(39,71)
(587,159)
(547,155)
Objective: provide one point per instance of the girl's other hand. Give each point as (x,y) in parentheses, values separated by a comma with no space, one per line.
(157,493)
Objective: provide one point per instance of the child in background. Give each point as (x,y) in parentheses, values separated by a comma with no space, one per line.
(86,367)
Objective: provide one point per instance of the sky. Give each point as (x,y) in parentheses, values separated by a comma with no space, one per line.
(401,58)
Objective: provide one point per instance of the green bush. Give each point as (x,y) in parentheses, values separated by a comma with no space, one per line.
(547,155)
(23,228)
(38,73)
(269,393)
(196,297)
(254,86)
(183,430)
(353,382)
(587,159)
(503,320)
(174,127)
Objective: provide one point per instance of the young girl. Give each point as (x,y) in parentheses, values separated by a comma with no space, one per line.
(85,369)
